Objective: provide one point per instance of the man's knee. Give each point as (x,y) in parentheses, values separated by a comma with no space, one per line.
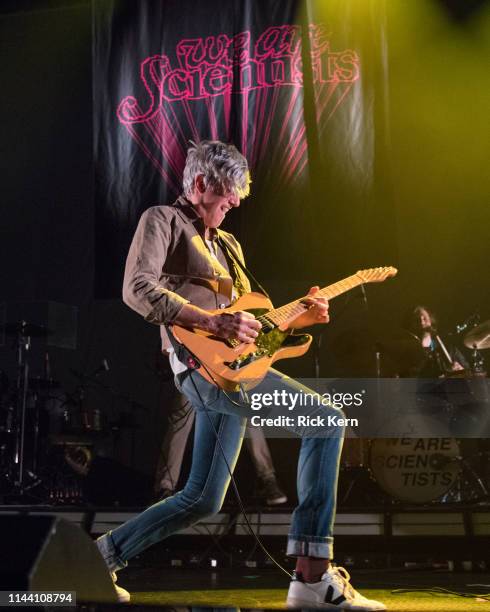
(207,505)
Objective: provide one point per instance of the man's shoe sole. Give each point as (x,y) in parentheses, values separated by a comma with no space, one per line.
(294,603)
(302,603)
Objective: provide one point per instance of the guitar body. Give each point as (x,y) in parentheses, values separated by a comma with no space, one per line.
(227,365)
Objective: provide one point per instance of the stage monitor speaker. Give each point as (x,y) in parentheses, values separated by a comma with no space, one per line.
(46,553)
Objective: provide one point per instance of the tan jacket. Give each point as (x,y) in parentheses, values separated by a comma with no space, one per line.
(169,265)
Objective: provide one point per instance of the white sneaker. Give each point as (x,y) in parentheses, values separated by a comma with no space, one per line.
(334,591)
(122,595)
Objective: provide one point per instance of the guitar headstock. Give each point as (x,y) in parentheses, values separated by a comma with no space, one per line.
(376,275)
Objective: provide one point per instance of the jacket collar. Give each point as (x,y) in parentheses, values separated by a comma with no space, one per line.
(189,214)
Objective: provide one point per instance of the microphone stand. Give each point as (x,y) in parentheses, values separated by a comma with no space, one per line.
(317,340)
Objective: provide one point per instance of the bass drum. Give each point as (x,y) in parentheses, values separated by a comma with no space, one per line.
(416,470)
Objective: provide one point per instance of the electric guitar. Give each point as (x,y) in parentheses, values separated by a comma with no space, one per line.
(229,363)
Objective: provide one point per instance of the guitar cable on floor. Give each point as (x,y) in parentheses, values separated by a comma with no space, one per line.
(442,591)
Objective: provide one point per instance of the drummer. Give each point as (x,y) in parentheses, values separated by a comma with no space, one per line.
(442,359)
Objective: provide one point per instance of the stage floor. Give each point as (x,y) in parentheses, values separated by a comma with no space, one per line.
(266,589)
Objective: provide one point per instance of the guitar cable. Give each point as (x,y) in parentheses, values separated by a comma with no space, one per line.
(230,471)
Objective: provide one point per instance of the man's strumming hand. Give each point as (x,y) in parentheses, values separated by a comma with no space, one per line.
(239,325)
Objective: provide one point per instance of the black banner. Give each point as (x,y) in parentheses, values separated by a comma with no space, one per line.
(169,72)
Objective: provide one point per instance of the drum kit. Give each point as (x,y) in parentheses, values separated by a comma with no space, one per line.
(38,424)
(39,420)
(423,470)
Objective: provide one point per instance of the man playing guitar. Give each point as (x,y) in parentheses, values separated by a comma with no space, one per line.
(181,270)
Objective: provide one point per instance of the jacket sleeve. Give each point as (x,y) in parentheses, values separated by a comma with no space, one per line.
(142,290)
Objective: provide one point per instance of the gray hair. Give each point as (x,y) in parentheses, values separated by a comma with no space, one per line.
(222,166)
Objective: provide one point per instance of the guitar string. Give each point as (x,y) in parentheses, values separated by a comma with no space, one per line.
(334,290)
(283,313)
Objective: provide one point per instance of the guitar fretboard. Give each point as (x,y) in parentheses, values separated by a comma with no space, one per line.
(290,311)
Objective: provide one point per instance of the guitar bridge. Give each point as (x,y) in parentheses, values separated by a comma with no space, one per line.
(241,362)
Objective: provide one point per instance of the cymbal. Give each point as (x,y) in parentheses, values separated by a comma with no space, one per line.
(478,337)
(26,329)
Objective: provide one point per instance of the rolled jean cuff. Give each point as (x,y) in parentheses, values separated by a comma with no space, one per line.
(310,546)
(107,549)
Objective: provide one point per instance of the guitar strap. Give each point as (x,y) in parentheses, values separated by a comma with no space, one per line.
(236,260)
(183,354)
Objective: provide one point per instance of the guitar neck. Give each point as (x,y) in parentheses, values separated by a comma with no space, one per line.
(290,311)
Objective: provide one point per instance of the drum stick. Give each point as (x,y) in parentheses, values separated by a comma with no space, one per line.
(444,350)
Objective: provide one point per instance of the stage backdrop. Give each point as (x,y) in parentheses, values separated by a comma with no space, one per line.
(168,72)
(362,123)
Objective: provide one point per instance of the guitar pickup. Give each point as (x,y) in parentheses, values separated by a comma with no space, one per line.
(267,324)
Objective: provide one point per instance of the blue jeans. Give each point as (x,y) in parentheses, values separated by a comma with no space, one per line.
(311,531)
